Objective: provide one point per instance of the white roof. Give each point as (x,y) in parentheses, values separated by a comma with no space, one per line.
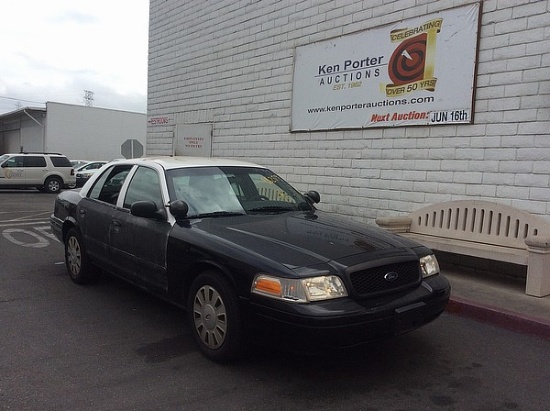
(182,161)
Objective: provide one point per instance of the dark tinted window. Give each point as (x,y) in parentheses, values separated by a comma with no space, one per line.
(61,162)
(108,186)
(34,161)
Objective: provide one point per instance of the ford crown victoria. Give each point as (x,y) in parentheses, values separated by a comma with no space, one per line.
(246,255)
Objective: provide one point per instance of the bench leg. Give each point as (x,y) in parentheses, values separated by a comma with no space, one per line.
(538,269)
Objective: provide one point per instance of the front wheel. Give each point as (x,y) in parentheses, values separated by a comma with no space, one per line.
(76,260)
(215,317)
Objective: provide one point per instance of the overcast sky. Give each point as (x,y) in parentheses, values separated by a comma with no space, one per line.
(53,50)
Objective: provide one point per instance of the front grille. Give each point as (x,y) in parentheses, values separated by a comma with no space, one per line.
(372,281)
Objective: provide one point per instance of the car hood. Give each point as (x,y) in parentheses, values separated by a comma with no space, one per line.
(300,239)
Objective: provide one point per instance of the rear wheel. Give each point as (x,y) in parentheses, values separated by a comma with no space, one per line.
(53,184)
(215,317)
(76,260)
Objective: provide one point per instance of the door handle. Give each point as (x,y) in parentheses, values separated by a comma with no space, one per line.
(116,226)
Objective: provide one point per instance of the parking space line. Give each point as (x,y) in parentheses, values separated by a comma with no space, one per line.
(8,223)
(34,216)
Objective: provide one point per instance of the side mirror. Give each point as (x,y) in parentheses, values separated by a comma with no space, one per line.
(313,196)
(179,209)
(146,209)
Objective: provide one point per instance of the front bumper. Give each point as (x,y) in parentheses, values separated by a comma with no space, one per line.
(56,226)
(345,322)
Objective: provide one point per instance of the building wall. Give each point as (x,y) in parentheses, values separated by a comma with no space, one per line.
(32,133)
(91,133)
(12,142)
(23,132)
(230,64)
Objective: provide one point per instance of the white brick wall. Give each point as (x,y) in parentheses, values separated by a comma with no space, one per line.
(230,63)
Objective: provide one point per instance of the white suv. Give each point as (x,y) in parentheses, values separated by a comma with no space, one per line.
(46,171)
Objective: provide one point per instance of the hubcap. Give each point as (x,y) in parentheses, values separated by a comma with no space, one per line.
(210,317)
(74,256)
(53,186)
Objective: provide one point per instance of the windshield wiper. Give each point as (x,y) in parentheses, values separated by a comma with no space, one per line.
(217,214)
(271,209)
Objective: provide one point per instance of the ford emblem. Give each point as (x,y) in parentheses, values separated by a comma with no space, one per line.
(391,276)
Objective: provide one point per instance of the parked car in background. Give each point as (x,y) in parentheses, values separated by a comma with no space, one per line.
(79,163)
(85,171)
(246,255)
(48,172)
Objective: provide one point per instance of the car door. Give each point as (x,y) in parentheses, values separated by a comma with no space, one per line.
(35,169)
(13,171)
(95,212)
(141,242)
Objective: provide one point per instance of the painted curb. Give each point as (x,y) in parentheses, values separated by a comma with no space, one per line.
(500,317)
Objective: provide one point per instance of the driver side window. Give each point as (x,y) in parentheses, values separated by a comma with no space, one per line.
(14,162)
(108,186)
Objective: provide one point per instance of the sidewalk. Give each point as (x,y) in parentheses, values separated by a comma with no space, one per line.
(497,300)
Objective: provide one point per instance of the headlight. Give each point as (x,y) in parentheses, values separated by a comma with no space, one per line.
(429,265)
(299,290)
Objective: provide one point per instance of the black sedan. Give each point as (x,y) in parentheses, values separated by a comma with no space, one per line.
(246,255)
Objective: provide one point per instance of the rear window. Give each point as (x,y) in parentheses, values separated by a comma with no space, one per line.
(61,162)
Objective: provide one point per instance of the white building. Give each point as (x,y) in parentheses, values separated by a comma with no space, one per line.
(230,78)
(79,132)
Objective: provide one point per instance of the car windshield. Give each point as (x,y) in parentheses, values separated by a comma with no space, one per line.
(220,191)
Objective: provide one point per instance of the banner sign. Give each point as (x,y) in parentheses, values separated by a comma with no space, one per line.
(415,72)
(160,121)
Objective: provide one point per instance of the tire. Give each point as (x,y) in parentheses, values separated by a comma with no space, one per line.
(215,317)
(76,260)
(53,185)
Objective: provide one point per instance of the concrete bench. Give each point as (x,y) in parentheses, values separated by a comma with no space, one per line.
(485,230)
